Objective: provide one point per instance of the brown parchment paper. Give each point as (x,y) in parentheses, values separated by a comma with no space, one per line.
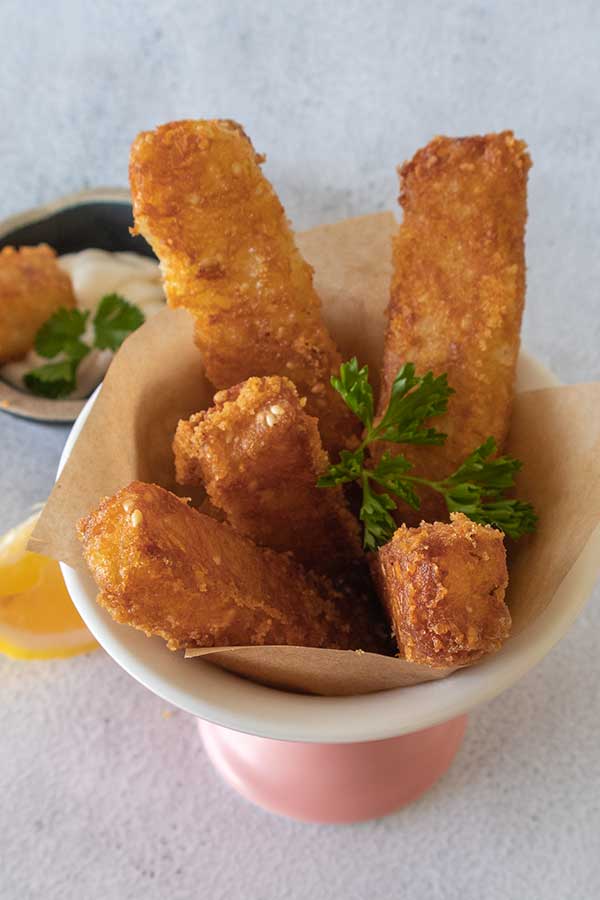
(157,378)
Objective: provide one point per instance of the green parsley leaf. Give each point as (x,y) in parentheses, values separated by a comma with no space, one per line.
(115,319)
(353,385)
(414,400)
(476,487)
(61,333)
(52,380)
(379,526)
(513,517)
(492,475)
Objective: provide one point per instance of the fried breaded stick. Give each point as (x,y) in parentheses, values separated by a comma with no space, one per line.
(443,587)
(458,290)
(259,456)
(228,255)
(168,570)
(32,287)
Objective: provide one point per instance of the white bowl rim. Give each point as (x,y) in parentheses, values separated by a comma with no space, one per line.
(234,702)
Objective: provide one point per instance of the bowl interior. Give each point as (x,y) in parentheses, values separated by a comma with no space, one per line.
(205,690)
(75,223)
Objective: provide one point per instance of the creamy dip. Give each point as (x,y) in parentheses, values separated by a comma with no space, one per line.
(93,274)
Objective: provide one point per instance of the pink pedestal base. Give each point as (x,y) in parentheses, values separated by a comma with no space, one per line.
(333,782)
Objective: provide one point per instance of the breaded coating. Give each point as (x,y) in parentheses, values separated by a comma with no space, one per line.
(167,570)
(228,255)
(443,587)
(259,455)
(32,288)
(458,290)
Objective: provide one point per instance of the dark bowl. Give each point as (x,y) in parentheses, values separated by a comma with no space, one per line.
(96,218)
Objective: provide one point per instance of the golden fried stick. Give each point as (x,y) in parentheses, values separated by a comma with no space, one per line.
(168,570)
(32,288)
(259,456)
(228,255)
(443,587)
(458,289)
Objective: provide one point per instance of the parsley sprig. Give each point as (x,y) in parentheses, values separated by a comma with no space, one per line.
(476,488)
(62,334)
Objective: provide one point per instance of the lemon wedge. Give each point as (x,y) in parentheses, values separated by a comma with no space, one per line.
(37,618)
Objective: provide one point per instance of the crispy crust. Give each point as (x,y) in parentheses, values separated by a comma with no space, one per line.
(32,287)
(168,570)
(443,587)
(259,456)
(458,290)
(228,256)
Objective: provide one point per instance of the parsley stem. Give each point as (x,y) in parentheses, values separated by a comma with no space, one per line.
(434,485)
(372,435)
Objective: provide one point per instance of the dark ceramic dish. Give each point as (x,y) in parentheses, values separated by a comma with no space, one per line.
(97,218)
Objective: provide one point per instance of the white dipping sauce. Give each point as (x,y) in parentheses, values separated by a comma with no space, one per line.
(95,273)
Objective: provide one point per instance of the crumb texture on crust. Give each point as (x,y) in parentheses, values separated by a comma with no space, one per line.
(259,455)
(458,290)
(443,586)
(32,288)
(168,570)
(228,255)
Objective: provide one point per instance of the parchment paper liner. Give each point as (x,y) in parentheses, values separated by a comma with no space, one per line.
(156,378)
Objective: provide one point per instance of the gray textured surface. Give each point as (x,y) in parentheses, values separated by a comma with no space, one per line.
(103,797)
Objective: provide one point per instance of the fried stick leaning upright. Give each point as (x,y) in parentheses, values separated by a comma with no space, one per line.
(228,256)
(458,291)
(259,456)
(168,570)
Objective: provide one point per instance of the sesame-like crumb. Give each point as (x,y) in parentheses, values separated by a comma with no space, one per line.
(136,518)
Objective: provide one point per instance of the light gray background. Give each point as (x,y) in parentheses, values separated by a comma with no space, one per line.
(101,795)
